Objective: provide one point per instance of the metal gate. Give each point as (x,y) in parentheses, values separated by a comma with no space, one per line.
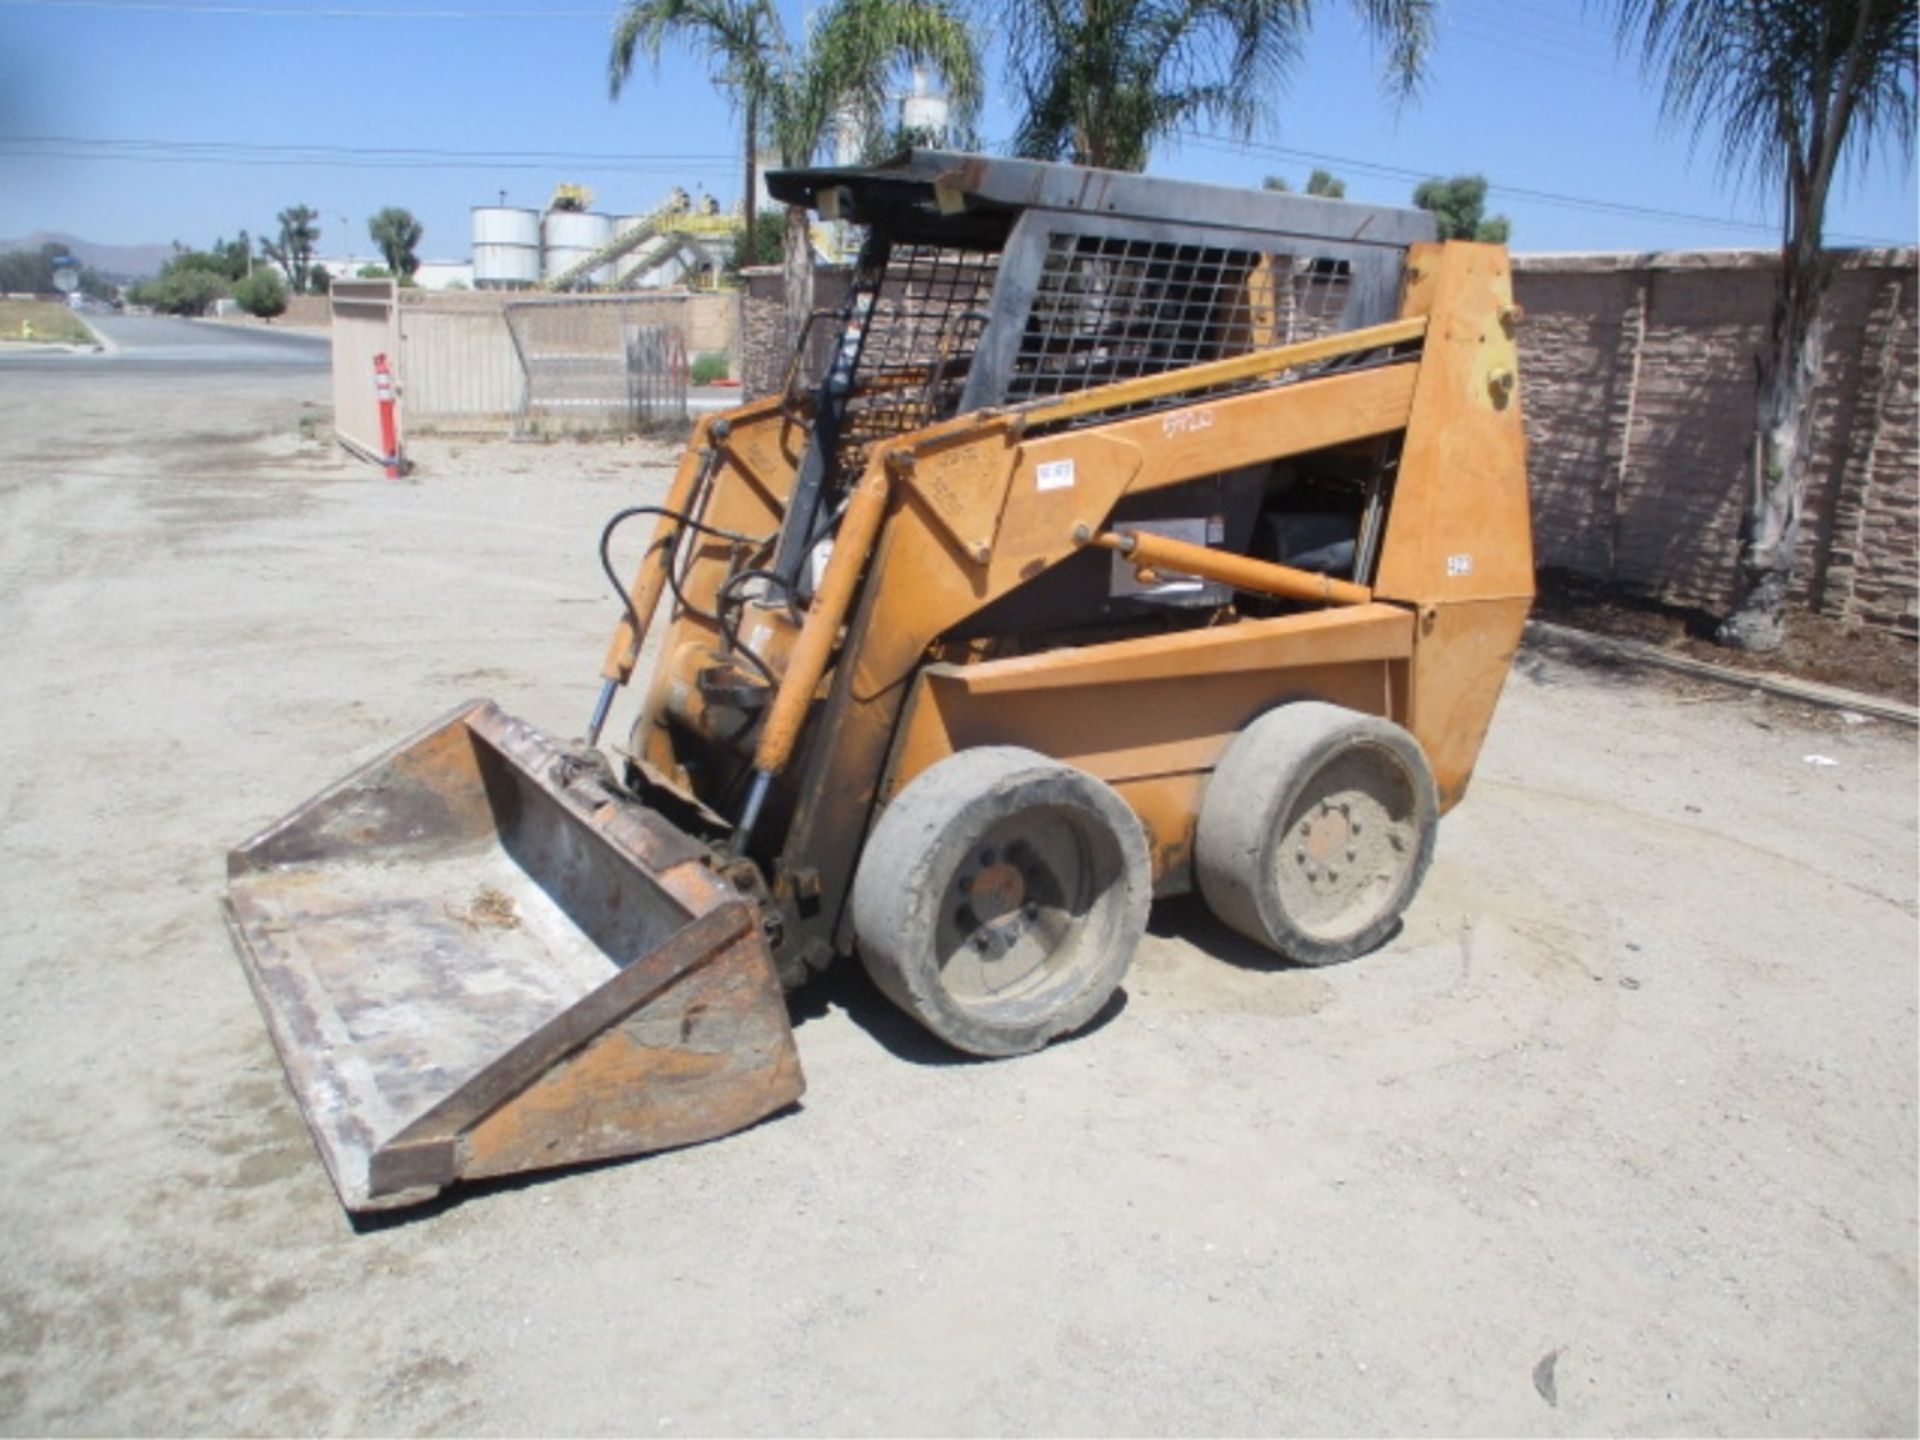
(365,324)
(590,359)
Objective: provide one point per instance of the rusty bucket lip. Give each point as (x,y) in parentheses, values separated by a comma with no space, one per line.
(239,860)
(348,1091)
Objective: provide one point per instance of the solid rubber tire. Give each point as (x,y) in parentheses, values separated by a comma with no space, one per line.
(919,845)
(1248,805)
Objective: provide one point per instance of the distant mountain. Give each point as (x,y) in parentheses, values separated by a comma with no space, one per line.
(119,262)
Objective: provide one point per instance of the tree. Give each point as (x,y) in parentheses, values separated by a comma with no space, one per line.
(262,293)
(293,251)
(853,53)
(1459,207)
(31,272)
(1102,80)
(1794,89)
(183,289)
(738,40)
(1323,183)
(397,234)
(235,256)
(766,241)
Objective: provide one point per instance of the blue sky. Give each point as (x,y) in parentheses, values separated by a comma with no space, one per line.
(511,95)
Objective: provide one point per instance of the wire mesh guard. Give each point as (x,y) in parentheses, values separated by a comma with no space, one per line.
(909,329)
(1111,308)
(595,361)
(1106,308)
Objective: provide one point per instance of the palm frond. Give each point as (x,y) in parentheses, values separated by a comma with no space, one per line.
(741,39)
(1774,83)
(855,55)
(1103,79)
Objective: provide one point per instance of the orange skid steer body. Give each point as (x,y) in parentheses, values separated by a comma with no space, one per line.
(1111,538)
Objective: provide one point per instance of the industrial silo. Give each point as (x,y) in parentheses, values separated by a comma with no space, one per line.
(506,248)
(570,236)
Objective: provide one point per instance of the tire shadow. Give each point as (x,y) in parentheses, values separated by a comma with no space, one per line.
(846,986)
(1186,918)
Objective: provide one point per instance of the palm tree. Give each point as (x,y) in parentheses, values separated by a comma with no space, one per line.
(397,234)
(741,40)
(854,52)
(293,251)
(1102,80)
(1795,89)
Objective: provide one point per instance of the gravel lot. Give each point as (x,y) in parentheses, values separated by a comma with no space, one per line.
(1617,1136)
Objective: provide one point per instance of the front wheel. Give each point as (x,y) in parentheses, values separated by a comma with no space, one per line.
(1315,831)
(1001,897)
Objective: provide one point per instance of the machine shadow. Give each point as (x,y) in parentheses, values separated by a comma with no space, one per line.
(1187,918)
(847,987)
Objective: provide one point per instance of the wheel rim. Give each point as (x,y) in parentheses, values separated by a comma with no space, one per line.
(1349,844)
(1015,907)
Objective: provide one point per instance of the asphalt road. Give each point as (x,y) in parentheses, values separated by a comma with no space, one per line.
(168,345)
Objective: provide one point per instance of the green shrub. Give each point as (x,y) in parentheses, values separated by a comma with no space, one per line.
(709,367)
(186,291)
(262,293)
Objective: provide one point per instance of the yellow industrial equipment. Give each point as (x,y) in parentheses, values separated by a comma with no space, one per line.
(1114,538)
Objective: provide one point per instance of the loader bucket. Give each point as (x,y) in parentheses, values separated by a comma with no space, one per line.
(476,958)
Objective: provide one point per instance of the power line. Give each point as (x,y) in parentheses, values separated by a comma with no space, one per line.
(290,146)
(1227,144)
(227,152)
(302,12)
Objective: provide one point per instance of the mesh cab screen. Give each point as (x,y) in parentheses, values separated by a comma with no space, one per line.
(916,331)
(1112,308)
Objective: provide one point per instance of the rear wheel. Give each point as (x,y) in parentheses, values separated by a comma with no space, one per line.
(1315,831)
(1001,897)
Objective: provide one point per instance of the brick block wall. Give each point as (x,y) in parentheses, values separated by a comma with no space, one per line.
(1638,376)
(765,348)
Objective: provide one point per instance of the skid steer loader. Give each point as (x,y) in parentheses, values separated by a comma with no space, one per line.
(1111,538)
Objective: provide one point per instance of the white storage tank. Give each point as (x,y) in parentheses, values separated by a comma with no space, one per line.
(570,236)
(506,247)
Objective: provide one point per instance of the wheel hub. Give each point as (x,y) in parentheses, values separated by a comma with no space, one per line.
(997,893)
(1328,833)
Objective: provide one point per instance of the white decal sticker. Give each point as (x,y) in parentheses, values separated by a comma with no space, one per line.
(1186,422)
(1054,475)
(1459,564)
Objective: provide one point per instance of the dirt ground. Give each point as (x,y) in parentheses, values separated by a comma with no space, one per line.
(1618,1135)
